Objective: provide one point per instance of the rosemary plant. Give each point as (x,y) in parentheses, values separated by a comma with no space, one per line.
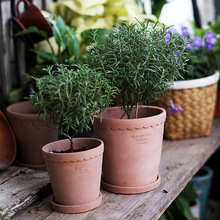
(140,61)
(71,96)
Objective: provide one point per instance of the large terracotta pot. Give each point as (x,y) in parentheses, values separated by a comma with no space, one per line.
(31,133)
(132,149)
(75,177)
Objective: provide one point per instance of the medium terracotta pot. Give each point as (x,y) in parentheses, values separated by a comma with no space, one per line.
(31,133)
(75,177)
(132,149)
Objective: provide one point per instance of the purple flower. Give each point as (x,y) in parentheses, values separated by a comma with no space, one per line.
(209,46)
(173,31)
(180,109)
(185,31)
(210,39)
(173,109)
(178,53)
(209,35)
(167,36)
(198,41)
(189,45)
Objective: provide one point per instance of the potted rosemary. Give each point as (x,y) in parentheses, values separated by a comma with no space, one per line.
(138,59)
(69,96)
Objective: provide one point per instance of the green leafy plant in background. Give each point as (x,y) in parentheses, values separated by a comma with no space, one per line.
(67,48)
(64,47)
(180,207)
(156,6)
(87,14)
(139,60)
(69,96)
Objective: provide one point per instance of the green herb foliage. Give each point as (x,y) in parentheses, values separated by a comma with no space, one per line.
(71,96)
(139,60)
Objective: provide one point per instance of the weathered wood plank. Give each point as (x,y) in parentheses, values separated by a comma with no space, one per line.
(180,161)
(20,187)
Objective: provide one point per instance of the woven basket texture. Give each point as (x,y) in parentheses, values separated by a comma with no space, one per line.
(198,105)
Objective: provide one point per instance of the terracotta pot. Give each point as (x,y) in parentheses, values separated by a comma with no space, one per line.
(8,145)
(31,133)
(132,149)
(31,16)
(75,177)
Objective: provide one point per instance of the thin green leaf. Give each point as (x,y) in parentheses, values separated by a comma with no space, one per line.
(32,30)
(184,208)
(87,36)
(73,46)
(47,56)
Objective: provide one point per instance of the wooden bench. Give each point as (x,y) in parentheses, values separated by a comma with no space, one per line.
(25,193)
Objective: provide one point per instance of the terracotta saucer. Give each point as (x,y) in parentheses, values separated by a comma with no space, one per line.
(76,208)
(8,147)
(131,190)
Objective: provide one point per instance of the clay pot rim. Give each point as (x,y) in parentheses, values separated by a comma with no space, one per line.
(161,114)
(75,156)
(10,110)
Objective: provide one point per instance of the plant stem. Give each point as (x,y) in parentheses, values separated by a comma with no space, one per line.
(70,139)
(136,111)
(52,50)
(71,144)
(60,55)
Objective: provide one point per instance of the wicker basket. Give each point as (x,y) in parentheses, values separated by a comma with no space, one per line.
(197,98)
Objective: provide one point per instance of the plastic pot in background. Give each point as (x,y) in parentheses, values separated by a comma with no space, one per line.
(202,183)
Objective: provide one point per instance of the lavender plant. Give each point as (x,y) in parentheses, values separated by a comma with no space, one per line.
(70,96)
(140,61)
